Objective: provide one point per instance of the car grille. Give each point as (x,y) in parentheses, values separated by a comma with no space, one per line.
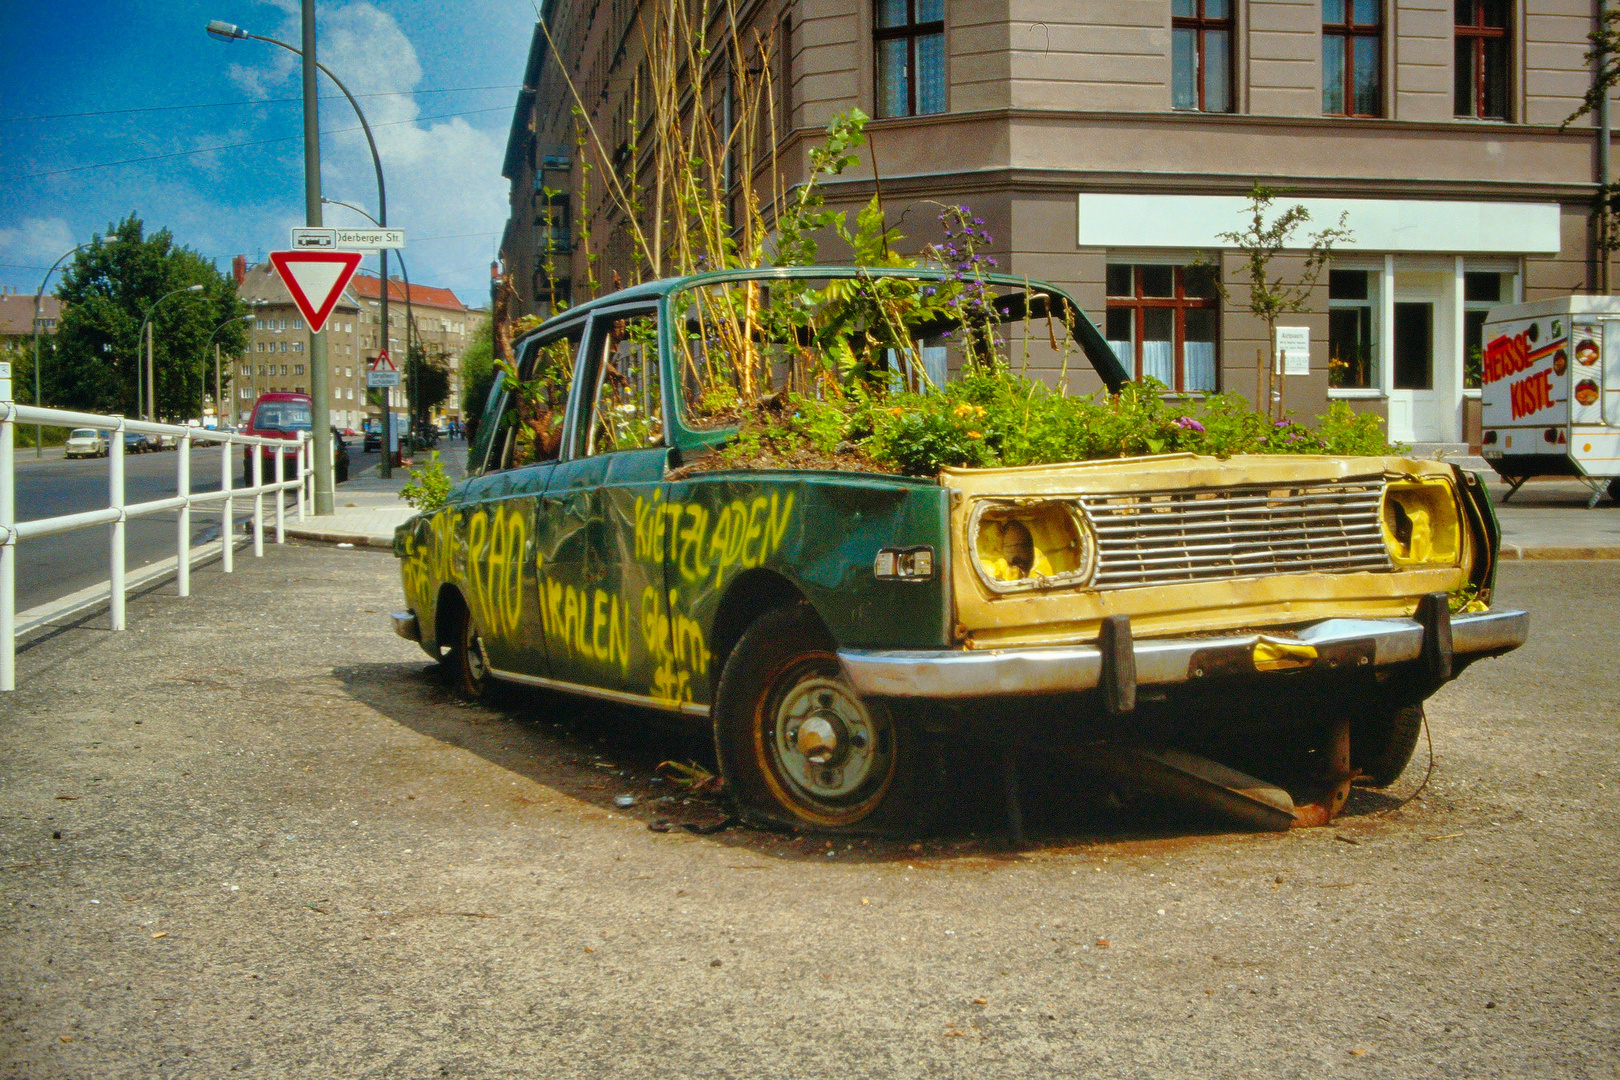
(1158,537)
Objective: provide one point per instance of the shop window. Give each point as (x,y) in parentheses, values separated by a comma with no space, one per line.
(1481,292)
(1353,329)
(909,47)
(1483,45)
(1201,55)
(1352,57)
(1163,322)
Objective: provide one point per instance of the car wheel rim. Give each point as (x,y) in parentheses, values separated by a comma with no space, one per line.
(828,748)
(477,662)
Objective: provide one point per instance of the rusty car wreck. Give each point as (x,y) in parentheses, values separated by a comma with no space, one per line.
(1178,622)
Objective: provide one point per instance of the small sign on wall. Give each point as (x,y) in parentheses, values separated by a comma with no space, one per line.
(1294,349)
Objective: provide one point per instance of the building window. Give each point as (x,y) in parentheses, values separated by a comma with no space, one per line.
(1352,57)
(1201,55)
(551,235)
(909,43)
(1482,59)
(1481,292)
(1164,323)
(1353,329)
(298,369)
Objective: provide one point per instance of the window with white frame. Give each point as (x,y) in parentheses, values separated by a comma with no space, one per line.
(1482,290)
(1353,316)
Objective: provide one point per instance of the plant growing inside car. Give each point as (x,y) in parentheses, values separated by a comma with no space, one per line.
(428,487)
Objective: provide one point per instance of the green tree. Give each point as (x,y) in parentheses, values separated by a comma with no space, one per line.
(106,293)
(428,379)
(477,374)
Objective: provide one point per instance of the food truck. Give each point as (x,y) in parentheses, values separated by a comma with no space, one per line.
(1550,391)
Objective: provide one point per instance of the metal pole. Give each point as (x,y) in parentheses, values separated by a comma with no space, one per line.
(1606,218)
(182,488)
(319,381)
(258,501)
(115,499)
(219,397)
(302,474)
(151,395)
(386,470)
(8,544)
(227,521)
(39,295)
(281,510)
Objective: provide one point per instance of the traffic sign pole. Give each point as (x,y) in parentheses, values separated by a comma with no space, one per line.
(387,469)
(319,378)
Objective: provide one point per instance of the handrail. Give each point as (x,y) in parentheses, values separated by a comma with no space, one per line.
(117,513)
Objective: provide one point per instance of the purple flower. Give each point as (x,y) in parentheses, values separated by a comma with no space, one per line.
(1188,423)
(978,221)
(1281,423)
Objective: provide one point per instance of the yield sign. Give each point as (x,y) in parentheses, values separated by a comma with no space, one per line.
(315,279)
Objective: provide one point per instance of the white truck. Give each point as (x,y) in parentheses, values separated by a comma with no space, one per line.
(1550,391)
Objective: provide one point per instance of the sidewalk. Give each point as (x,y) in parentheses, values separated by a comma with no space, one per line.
(1547,519)
(367,509)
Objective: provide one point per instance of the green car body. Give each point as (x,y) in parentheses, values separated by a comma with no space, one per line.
(624,575)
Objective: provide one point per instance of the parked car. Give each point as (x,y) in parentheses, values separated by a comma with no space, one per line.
(85,442)
(840,634)
(373,441)
(280,415)
(135,443)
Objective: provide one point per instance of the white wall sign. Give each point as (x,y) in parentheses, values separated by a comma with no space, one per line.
(1294,349)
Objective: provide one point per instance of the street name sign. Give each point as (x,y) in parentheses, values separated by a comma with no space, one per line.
(366,240)
(315,279)
(382,371)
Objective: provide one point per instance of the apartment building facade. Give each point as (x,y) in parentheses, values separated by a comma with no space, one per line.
(277,356)
(1109,145)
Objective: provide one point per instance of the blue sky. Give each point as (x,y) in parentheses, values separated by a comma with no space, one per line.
(414,60)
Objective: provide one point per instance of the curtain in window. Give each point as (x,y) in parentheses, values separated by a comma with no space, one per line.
(1198,362)
(1125,352)
(931,73)
(1159,361)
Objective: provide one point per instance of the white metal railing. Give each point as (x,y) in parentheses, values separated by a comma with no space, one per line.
(117,512)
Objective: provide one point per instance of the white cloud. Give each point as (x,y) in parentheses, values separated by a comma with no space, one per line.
(36,241)
(443,176)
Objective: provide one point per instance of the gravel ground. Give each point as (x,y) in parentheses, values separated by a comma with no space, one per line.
(254,836)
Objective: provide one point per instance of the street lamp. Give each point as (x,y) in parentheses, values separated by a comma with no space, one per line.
(39,443)
(202,401)
(228,32)
(145,331)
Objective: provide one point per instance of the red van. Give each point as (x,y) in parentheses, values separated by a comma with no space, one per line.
(279,415)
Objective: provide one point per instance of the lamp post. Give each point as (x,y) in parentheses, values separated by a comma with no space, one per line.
(39,441)
(202,400)
(228,32)
(386,468)
(146,332)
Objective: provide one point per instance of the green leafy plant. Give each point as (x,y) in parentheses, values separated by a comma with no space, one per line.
(429,486)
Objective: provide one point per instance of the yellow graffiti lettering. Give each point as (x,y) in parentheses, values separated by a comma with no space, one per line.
(756,531)
(776,527)
(743,534)
(599,626)
(691,540)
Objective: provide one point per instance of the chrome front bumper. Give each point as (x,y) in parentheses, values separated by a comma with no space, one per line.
(406,626)
(1339,643)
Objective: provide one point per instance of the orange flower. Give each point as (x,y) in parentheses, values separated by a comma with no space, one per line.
(975,435)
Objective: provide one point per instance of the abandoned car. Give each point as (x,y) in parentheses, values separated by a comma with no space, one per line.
(1177,620)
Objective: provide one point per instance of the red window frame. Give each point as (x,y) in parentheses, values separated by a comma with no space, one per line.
(1200,23)
(1475,34)
(1180,302)
(1349,30)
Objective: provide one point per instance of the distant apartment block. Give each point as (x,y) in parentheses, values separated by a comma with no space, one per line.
(277,356)
(1109,143)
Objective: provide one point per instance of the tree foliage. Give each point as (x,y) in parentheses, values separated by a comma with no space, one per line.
(107,291)
(477,374)
(429,380)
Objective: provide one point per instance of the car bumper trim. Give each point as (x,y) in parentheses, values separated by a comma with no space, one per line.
(406,626)
(1338,643)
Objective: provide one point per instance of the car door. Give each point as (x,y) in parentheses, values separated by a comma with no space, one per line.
(602,582)
(499,522)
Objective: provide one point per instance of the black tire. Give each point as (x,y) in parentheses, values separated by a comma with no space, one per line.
(1614,490)
(798,746)
(1382,741)
(343,473)
(464,659)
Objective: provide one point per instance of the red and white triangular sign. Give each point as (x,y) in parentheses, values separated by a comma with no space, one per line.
(315,279)
(383,362)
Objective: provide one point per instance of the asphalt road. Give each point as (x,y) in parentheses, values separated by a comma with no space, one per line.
(253,836)
(55,566)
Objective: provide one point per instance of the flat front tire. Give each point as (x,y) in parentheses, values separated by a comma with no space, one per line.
(1382,741)
(797,744)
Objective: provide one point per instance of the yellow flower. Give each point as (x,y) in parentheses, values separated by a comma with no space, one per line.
(974,435)
(897,411)
(963,409)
